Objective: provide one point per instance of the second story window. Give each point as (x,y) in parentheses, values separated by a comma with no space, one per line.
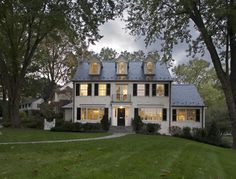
(84,90)
(140,90)
(121,68)
(102,89)
(160,89)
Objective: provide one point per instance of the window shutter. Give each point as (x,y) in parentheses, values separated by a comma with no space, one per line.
(198,115)
(106,113)
(78,113)
(154,90)
(77,89)
(164,114)
(89,89)
(96,89)
(166,90)
(135,112)
(174,115)
(146,89)
(108,93)
(134,89)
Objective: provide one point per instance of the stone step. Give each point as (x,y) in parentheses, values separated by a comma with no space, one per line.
(121,129)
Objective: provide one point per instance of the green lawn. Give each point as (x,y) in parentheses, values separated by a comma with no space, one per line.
(132,156)
(10,135)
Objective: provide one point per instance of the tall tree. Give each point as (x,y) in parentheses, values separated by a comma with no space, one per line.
(25,23)
(107,54)
(173,21)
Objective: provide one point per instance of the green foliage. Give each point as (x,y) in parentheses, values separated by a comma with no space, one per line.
(23,116)
(175,131)
(152,128)
(105,123)
(186,132)
(137,124)
(47,111)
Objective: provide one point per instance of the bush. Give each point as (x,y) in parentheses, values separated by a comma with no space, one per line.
(199,134)
(186,132)
(152,128)
(213,132)
(23,117)
(137,124)
(175,131)
(6,124)
(105,123)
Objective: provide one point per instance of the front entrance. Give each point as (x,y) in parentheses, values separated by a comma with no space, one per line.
(121,117)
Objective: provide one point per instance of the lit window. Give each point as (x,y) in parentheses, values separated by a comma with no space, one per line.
(141,90)
(102,89)
(84,90)
(191,114)
(149,67)
(121,68)
(150,114)
(94,68)
(181,115)
(160,90)
(92,113)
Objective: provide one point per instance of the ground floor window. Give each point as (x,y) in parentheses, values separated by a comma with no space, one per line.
(186,114)
(151,114)
(92,113)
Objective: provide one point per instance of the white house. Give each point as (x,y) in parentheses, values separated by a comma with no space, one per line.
(123,90)
(30,105)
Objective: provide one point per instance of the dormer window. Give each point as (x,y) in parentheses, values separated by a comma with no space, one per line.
(150,67)
(95,67)
(121,66)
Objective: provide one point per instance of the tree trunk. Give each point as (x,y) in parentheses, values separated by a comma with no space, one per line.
(13,103)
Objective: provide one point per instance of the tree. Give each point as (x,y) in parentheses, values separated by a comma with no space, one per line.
(25,24)
(173,22)
(56,60)
(107,54)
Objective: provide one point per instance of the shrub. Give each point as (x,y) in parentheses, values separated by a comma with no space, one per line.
(213,132)
(152,128)
(6,124)
(199,134)
(175,131)
(77,127)
(34,122)
(105,123)
(23,117)
(186,132)
(88,127)
(137,124)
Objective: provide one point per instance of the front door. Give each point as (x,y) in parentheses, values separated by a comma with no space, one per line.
(121,116)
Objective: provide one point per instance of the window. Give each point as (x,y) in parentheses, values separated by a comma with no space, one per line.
(186,114)
(181,115)
(141,90)
(121,68)
(160,90)
(149,67)
(94,68)
(84,90)
(102,89)
(153,114)
(92,113)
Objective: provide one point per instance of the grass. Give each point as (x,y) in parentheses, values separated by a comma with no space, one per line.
(14,135)
(132,156)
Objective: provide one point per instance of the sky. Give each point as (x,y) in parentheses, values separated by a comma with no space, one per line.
(115,36)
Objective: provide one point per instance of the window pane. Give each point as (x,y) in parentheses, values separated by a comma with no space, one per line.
(141,90)
(84,90)
(181,115)
(154,114)
(94,68)
(102,89)
(92,113)
(121,68)
(191,114)
(149,67)
(160,90)
(83,114)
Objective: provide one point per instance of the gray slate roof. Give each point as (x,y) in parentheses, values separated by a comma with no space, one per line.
(108,72)
(185,95)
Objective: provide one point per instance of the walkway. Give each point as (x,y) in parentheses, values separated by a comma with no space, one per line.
(115,135)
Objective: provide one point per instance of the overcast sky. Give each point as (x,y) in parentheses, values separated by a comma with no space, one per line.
(117,37)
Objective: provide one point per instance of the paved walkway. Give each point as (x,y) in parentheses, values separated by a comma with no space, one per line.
(115,135)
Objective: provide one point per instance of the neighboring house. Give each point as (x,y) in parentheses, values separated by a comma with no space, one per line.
(62,96)
(123,90)
(31,105)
